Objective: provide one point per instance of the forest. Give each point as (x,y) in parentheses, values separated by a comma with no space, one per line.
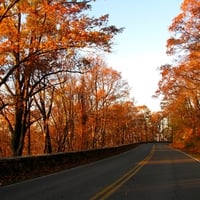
(57,94)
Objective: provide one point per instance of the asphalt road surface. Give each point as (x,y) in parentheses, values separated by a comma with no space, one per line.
(150,171)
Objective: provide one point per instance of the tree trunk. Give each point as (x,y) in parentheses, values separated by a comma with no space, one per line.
(47,146)
(18,133)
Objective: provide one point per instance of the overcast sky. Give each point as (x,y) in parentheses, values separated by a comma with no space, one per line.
(141,48)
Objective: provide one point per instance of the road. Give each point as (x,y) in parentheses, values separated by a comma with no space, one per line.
(150,171)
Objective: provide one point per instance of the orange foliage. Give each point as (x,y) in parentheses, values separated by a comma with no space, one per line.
(45,107)
(37,41)
(179,85)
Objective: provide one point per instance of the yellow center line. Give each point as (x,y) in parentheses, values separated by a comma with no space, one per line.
(110,189)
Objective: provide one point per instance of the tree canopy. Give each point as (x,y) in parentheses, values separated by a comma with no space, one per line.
(179,85)
(39,39)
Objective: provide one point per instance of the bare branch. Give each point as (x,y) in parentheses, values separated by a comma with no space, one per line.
(7,9)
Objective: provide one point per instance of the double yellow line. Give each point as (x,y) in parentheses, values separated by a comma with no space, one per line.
(110,189)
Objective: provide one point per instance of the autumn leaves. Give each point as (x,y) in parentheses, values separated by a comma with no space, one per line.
(46,108)
(180,80)
(40,40)
(57,93)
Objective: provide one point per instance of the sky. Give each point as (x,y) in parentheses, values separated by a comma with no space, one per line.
(140,49)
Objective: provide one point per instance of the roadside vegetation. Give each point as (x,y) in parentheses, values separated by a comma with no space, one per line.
(179,86)
(57,94)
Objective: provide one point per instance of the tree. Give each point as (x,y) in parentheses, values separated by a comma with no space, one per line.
(65,113)
(105,87)
(44,102)
(37,40)
(180,81)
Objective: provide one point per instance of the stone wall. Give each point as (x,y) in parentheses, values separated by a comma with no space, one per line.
(21,168)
